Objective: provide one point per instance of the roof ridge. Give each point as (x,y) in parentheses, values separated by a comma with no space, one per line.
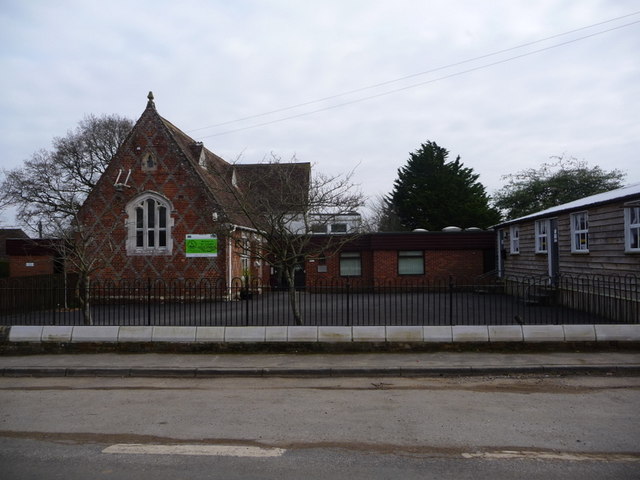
(596,198)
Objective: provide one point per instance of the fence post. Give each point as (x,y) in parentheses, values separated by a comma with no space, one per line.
(348,289)
(149,301)
(246,305)
(450,299)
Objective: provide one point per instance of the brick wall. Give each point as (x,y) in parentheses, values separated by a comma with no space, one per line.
(175,178)
(458,263)
(25,266)
(381,266)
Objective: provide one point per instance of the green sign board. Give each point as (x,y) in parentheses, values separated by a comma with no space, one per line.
(201,245)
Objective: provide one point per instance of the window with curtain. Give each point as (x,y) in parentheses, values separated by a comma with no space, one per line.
(350,264)
(411,262)
(580,232)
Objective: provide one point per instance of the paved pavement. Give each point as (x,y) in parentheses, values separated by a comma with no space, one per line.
(331,364)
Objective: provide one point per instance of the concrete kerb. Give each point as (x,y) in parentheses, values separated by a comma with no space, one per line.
(543,333)
(580,333)
(617,333)
(505,333)
(94,334)
(335,334)
(26,333)
(34,372)
(61,339)
(245,334)
(470,333)
(57,333)
(174,334)
(372,372)
(405,334)
(98,372)
(369,334)
(135,334)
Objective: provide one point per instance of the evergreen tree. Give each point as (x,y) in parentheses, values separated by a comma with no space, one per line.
(552,184)
(432,193)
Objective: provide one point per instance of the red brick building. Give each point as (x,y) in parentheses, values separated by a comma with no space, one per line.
(158,198)
(30,257)
(409,257)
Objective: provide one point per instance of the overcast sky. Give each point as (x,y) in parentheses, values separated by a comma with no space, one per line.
(444,71)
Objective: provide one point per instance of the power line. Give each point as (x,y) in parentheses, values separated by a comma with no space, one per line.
(389,92)
(413,75)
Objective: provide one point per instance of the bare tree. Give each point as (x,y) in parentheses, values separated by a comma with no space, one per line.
(51,186)
(381,216)
(78,249)
(286,207)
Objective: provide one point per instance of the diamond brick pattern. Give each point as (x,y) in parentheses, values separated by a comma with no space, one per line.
(175,176)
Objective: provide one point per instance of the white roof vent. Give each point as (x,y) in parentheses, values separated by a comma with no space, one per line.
(451,229)
(473,229)
(420,230)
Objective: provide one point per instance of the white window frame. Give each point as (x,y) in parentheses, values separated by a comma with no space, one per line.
(319,228)
(339,228)
(410,262)
(514,240)
(542,236)
(149,233)
(350,264)
(632,229)
(245,254)
(579,232)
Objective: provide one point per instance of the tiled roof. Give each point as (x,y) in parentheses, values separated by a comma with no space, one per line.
(265,185)
(216,178)
(278,186)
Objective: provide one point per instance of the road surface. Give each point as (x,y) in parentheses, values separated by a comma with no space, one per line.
(290,428)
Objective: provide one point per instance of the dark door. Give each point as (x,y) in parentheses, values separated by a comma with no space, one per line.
(554,261)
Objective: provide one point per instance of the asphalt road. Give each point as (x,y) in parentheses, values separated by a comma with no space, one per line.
(285,428)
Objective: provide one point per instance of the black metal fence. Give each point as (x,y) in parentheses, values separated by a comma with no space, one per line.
(480,301)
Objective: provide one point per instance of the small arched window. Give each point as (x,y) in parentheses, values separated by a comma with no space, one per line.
(149,163)
(149,226)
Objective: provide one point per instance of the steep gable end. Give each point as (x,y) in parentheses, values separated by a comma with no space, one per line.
(151,196)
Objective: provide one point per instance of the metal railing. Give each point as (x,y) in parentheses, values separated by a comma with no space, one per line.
(451,301)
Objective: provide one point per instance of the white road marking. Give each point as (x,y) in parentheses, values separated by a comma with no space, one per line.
(565,456)
(212,450)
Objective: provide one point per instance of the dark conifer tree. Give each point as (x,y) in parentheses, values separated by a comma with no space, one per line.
(432,193)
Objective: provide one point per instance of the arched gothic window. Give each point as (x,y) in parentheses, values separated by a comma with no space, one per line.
(149,225)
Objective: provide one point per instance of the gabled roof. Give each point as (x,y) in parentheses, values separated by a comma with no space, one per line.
(199,157)
(620,194)
(284,184)
(281,186)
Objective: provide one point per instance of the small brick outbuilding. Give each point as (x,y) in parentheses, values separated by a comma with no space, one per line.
(409,257)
